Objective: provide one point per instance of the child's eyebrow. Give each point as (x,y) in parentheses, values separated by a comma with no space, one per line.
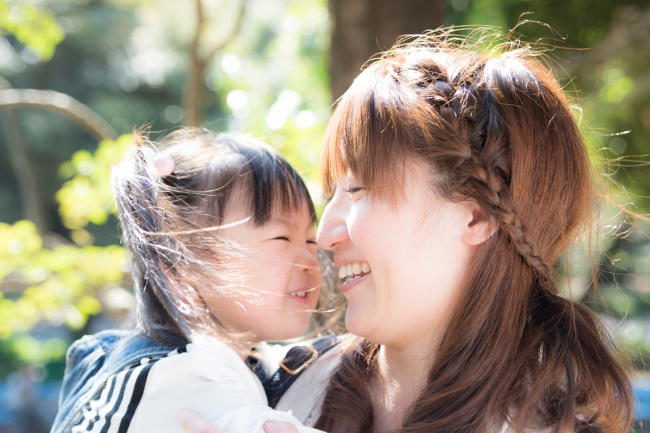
(283,222)
(286,223)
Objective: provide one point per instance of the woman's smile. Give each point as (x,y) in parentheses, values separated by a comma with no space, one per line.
(352,272)
(352,282)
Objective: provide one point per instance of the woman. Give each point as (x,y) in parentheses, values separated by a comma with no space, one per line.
(456,182)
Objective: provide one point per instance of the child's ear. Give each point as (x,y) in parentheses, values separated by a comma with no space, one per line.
(479,227)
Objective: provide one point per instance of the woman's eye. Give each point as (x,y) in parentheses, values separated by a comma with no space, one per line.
(353,190)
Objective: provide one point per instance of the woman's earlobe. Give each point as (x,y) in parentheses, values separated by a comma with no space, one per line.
(480,227)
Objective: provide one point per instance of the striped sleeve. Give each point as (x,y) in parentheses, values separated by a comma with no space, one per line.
(114,403)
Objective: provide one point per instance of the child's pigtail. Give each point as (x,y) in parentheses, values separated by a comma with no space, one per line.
(140,196)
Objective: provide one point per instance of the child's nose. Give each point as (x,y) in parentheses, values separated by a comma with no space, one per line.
(309,270)
(308,261)
(310,264)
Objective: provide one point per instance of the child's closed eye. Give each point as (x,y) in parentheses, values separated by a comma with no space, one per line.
(282,238)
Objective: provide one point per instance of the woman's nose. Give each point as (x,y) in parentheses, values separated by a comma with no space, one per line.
(333,230)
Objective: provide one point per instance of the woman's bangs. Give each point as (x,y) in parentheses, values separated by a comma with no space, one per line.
(367,135)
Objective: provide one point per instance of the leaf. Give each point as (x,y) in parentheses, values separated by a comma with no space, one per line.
(87,197)
(32,26)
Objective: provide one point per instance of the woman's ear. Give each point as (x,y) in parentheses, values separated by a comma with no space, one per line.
(479,227)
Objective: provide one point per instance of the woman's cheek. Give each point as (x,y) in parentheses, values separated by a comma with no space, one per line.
(361,223)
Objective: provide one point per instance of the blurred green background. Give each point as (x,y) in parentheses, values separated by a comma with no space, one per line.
(76,76)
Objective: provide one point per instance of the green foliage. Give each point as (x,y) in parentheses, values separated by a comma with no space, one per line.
(34,27)
(87,197)
(55,285)
(127,60)
(280,90)
(25,349)
(59,283)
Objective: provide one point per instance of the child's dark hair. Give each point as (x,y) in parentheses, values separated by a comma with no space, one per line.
(171,224)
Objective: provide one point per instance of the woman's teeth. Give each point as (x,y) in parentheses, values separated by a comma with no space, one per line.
(352,271)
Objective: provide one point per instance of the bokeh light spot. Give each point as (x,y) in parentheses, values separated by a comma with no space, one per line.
(174,114)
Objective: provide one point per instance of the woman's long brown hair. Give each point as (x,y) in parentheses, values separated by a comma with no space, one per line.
(496,129)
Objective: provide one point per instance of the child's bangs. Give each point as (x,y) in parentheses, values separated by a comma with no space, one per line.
(368,136)
(274,186)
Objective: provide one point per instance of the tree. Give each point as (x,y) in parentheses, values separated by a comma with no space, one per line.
(47,279)
(198,62)
(362,28)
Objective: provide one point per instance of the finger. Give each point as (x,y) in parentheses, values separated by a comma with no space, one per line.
(192,422)
(279,427)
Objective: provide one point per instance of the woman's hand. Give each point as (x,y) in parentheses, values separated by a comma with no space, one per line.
(192,422)
(279,427)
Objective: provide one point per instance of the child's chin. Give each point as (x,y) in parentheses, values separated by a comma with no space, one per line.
(290,332)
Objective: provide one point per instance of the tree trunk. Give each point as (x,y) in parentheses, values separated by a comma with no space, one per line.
(27,185)
(195,82)
(362,28)
(194,88)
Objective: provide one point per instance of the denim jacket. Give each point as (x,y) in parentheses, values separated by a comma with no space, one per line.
(95,358)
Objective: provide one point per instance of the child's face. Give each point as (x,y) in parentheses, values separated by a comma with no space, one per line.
(282,279)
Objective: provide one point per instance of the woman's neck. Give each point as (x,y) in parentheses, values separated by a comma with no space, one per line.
(403,373)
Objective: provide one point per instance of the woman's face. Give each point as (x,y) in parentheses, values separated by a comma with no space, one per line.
(411,257)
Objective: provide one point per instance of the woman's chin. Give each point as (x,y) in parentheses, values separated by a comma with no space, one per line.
(356,323)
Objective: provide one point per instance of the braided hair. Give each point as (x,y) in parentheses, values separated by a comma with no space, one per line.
(495,129)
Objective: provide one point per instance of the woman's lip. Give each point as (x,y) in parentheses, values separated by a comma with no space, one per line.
(347,262)
(349,285)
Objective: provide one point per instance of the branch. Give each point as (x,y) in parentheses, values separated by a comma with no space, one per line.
(196,39)
(27,182)
(61,103)
(230,36)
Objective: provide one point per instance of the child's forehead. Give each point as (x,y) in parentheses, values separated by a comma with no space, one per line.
(294,220)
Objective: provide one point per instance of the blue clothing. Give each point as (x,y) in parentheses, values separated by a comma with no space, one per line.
(106,374)
(94,359)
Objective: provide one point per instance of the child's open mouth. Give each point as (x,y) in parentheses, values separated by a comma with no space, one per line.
(301,294)
(352,271)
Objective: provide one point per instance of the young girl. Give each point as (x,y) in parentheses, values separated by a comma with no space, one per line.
(220,230)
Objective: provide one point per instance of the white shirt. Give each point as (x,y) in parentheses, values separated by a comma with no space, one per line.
(213,381)
(304,398)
